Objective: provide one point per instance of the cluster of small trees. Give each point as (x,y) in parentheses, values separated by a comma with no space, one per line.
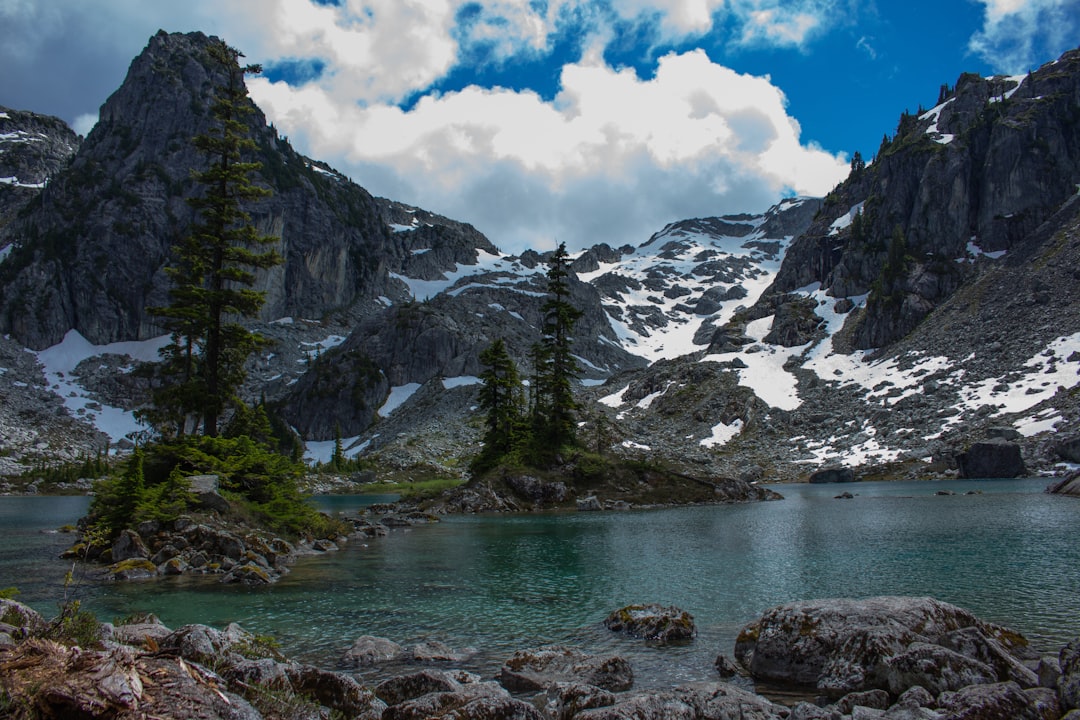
(533,429)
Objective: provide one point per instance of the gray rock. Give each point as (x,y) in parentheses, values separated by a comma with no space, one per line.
(876,699)
(1069,485)
(973,643)
(371,650)
(935,668)
(129,546)
(400,688)
(653,622)
(1068,448)
(434,651)
(589,504)
(472,700)
(809,711)
(695,701)
(999,701)
(1069,683)
(842,646)
(563,701)
(540,668)
(336,691)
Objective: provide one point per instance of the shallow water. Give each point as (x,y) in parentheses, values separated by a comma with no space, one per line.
(505,583)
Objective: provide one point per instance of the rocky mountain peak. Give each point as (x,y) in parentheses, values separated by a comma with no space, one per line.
(33,148)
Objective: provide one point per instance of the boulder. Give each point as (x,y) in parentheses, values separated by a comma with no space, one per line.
(874,699)
(336,691)
(1068,448)
(265,673)
(431,651)
(694,701)
(991,459)
(206,491)
(23,619)
(371,650)
(653,622)
(935,668)
(540,668)
(998,701)
(1069,485)
(129,546)
(564,701)
(842,646)
(207,645)
(589,504)
(400,688)
(472,700)
(833,475)
(1069,682)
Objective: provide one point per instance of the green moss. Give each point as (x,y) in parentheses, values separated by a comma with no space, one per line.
(132,565)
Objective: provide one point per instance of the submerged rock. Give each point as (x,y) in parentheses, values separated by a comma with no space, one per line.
(543,667)
(653,622)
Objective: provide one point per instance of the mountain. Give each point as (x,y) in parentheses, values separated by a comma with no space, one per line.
(926,303)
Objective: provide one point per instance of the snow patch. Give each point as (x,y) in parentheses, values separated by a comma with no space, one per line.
(398,395)
(722,434)
(60,360)
(460,381)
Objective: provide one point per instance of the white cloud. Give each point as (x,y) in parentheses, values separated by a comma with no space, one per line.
(612,158)
(84,123)
(1017,33)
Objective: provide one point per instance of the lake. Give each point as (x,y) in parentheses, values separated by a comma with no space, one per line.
(503,583)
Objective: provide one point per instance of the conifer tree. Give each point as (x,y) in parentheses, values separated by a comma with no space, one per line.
(501,400)
(214,267)
(554,409)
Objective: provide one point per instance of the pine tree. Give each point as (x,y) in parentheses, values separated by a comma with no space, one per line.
(213,268)
(554,409)
(501,399)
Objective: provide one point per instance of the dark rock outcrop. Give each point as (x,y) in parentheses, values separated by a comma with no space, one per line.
(992,459)
(833,475)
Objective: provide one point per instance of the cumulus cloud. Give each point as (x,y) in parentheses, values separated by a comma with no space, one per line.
(1016,33)
(611,158)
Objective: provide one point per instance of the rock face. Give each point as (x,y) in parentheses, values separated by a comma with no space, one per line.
(886,643)
(950,176)
(34,148)
(994,459)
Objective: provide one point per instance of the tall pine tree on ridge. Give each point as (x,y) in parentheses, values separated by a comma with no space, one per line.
(214,267)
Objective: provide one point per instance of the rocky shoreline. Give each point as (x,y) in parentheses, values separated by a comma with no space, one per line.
(895,658)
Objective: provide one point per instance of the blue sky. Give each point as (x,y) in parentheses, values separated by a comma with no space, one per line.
(542,121)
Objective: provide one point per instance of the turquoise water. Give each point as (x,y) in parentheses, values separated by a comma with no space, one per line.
(505,583)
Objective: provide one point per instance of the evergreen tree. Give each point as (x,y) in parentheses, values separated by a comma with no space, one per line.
(554,407)
(502,401)
(213,267)
(857,164)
